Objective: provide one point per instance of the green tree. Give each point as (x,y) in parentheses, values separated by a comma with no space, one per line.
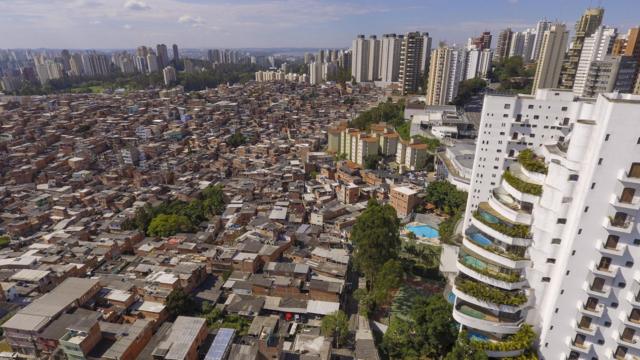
(389,278)
(446,197)
(179,303)
(167,225)
(399,341)
(336,325)
(371,161)
(467,89)
(463,350)
(434,325)
(236,140)
(376,238)
(214,199)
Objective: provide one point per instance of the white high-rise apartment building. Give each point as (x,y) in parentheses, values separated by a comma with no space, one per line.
(516,47)
(315,73)
(360,59)
(541,27)
(169,74)
(374,58)
(391,44)
(425,57)
(528,42)
(595,48)
(478,63)
(551,236)
(446,70)
(554,45)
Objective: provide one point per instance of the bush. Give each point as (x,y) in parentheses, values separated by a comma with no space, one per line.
(523,339)
(490,294)
(168,225)
(522,185)
(528,159)
(4,241)
(517,231)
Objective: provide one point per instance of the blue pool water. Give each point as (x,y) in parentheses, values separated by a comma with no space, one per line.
(477,336)
(474,262)
(480,239)
(423,231)
(490,218)
(451,298)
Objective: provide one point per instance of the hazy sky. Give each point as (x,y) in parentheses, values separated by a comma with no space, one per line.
(275,23)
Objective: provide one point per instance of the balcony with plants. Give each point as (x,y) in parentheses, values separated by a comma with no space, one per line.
(510,207)
(518,342)
(489,294)
(487,216)
(488,243)
(478,317)
(532,162)
(521,183)
(489,269)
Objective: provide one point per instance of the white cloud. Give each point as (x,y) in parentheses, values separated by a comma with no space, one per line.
(137,5)
(513,1)
(127,27)
(191,20)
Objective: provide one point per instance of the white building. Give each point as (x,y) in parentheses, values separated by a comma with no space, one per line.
(541,27)
(169,74)
(360,59)
(390,58)
(315,73)
(550,240)
(595,48)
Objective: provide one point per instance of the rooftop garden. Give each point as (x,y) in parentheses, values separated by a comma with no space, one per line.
(530,161)
(473,265)
(522,185)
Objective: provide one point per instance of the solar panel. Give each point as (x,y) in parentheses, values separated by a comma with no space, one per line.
(220,344)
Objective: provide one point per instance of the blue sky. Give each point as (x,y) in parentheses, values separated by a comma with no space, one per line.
(275,23)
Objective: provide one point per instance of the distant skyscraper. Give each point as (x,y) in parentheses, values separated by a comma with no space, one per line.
(528,42)
(483,41)
(595,47)
(163,55)
(554,43)
(425,57)
(374,58)
(543,25)
(390,59)
(152,62)
(360,59)
(315,73)
(502,47)
(612,73)
(411,53)
(478,63)
(75,64)
(587,25)
(176,55)
(516,44)
(169,74)
(445,72)
(632,49)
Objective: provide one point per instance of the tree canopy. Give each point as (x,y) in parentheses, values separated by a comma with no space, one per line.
(179,303)
(463,350)
(446,197)
(4,241)
(389,112)
(167,225)
(376,238)
(236,140)
(336,325)
(467,89)
(429,332)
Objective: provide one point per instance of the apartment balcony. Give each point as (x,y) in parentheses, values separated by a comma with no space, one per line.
(478,318)
(631,322)
(482,246)
(633,341)
(523,185)
(618,250)
(484,226)
(496,347)
(492,278)
(626,177)
(634,299)
(623,204)
(584,347)
(491,298)
(595,311)
(624,226)
(603,291)
(610,271)
(507,206)
(586,330)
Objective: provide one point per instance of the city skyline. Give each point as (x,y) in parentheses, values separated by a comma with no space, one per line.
(99,24)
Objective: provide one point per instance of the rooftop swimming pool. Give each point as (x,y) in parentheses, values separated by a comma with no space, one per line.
(424,231)
(480,239)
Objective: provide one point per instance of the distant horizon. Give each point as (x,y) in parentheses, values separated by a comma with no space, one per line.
(268,24)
